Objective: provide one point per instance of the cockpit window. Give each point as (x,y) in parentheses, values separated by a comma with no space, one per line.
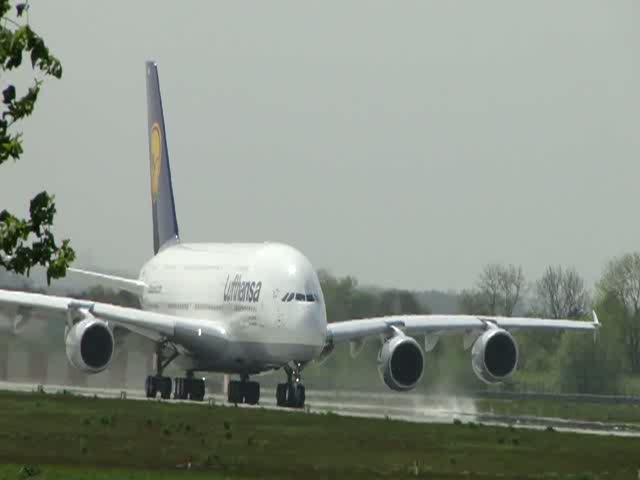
(300,297)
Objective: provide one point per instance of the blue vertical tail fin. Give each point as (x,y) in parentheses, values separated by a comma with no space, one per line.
(165,223)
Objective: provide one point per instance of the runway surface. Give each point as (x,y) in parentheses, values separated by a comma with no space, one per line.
(405,407)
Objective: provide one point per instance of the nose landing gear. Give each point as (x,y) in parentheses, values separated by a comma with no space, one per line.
(291,394)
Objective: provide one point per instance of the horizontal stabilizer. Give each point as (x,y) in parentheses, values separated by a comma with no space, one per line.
(111,281)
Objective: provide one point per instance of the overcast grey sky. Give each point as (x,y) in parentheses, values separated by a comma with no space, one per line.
(406,143)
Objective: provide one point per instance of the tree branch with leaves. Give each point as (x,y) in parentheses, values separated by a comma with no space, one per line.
(26,243)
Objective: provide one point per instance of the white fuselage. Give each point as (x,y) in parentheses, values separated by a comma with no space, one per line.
(264,298)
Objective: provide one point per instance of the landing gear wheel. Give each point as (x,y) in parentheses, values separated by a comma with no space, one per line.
(156,384)
(291,394)
(164,387)
(189,388)
(251,392)
(150,387)
(234,392)
(243,392)
(179,393)
(299,396)
(281,395)
(295,395)
(197,389)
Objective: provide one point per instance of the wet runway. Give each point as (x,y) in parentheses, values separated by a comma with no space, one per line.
(405,407)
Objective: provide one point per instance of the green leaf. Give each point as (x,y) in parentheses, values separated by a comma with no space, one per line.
(42,210)
(11,147)
(5,6)
(20,8)
(9,94)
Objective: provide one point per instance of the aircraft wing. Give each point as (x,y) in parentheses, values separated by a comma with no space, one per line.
(357,330)
(111,281)
(155,326)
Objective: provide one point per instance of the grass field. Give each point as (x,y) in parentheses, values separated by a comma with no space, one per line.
(69,437)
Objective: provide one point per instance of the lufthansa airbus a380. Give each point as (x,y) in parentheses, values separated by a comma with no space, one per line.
(248,308)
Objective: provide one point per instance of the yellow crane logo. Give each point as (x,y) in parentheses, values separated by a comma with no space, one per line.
(156,159)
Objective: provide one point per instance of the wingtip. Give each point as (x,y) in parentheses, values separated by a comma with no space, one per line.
(596,326)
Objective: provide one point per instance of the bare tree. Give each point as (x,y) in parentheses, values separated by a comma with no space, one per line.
(512,286)
(489,286)
(473,302)
(561,293)
(499,291)
(621,281)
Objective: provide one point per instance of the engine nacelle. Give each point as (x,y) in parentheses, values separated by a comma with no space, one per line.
(90,345)
(402,363)
(494,356)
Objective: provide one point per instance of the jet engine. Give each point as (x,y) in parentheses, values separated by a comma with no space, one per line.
(401,362)
(90,345)
(494,356)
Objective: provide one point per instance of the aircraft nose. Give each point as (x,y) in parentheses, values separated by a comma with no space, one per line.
(312,321)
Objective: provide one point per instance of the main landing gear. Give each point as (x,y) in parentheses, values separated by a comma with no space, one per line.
(291,394)
(187,388)
(243,391)
(157,383)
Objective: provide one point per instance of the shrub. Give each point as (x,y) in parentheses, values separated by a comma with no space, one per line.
(29,471)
